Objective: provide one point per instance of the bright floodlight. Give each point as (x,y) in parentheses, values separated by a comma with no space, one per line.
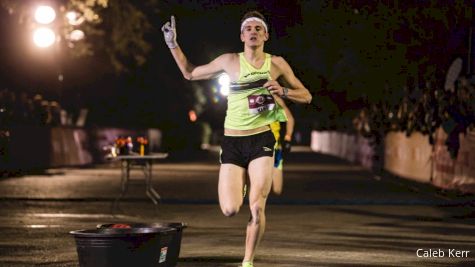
(223,81)
(45,14)
(44,37)
(224,90)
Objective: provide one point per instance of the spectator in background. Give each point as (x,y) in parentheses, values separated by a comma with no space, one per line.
(36,114)
(7,100)
(45,113)
(22,110)
(19,109)
(55,111)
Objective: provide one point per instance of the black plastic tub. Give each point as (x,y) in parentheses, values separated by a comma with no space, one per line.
(128,246)
(173,251)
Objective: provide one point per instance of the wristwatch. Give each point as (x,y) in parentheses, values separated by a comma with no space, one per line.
(285,91)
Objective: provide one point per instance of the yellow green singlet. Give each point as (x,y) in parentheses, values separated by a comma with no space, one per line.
(250,105)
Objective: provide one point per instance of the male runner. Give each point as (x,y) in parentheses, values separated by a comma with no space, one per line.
(248,143)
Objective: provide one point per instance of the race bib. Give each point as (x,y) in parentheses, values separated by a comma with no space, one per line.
(260,103)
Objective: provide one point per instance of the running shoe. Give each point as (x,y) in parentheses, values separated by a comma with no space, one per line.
(246,264)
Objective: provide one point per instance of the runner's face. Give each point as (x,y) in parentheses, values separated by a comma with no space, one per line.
(254,33)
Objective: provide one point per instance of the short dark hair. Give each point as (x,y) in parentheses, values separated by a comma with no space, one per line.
(255,14)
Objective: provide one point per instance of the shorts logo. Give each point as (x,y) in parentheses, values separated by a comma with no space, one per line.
(266,148)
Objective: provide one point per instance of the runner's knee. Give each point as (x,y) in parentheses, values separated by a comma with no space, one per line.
(256,213)
(277,190)
(230,211)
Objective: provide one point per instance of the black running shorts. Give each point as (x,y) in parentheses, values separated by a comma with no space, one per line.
(240,150)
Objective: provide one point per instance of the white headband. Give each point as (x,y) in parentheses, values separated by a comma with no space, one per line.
(253,19)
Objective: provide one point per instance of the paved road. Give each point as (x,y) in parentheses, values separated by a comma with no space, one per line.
(332,213)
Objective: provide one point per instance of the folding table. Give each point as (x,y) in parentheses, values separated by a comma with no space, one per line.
(145,162)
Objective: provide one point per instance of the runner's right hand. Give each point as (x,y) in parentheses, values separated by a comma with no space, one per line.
(286,147)
(169,33)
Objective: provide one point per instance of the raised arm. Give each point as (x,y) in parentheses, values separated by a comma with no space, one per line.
(190,71)
(296,91)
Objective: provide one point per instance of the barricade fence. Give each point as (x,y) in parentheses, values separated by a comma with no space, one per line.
(354,148)
(458,173)
(38,147)
(410,157)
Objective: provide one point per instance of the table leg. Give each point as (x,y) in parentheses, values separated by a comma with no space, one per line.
(149,190)
(124,181)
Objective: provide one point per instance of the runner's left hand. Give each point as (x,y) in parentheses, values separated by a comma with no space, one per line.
(274,88)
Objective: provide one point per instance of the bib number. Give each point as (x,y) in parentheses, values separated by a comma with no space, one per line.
(260,103)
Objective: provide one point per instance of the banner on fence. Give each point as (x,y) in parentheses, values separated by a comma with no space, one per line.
(408,156)
(454,173)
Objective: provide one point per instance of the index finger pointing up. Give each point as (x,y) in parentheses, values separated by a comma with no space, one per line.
(173,22)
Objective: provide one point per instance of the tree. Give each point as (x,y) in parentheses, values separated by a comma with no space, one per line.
(116,28)
(359,48)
